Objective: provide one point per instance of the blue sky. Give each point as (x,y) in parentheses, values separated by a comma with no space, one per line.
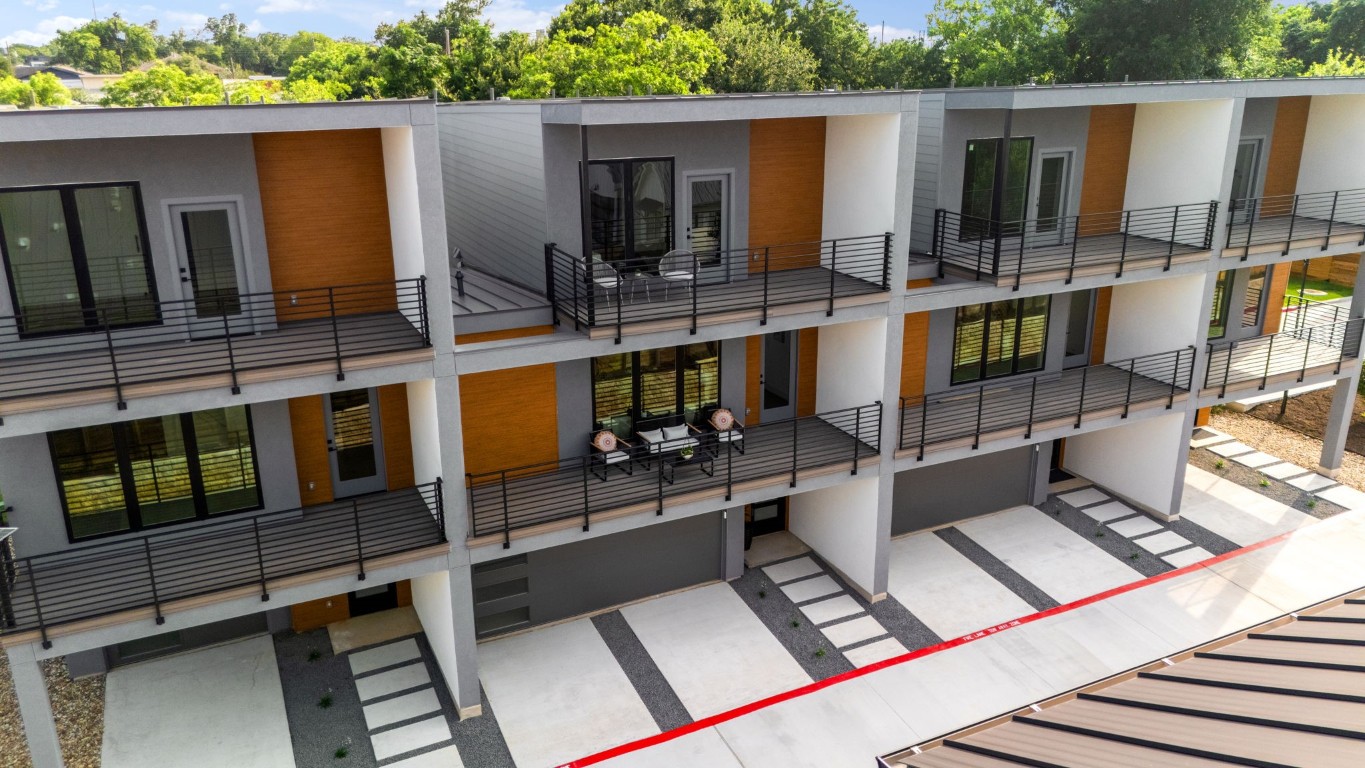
(36,21)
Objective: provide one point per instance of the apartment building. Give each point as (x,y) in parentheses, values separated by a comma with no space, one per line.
(675,325)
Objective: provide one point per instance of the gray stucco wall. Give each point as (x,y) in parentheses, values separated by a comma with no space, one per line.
(939,352)
(936,495)
(928,166)
(168,169)
(493,177)
(29,482)
(1258,121)
(596,573)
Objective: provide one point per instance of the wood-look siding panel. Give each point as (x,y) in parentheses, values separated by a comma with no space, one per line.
(326,209)
(1100,334)
(1335,269)
(1201,417)
(807,370)
(1286,150)
(309,427)
(914,354)
(753,375)
(786,186)
(404,589)
(1108,145)
(1274,298)
(397,432)
(510,418)
(928,168)
(316,614)
(507,333)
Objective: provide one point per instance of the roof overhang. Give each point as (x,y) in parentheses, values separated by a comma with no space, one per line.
(1093,94)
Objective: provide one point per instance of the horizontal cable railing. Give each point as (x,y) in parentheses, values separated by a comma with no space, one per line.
(213,337)
(1063,244)
(149,571)
(1293,351)
(608,292)
(576,488)
(965,414)
(1285,219)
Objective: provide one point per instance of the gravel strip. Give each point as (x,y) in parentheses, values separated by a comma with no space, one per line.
(658,696)
(1287,444)
(779,613)
(997,569)
(1278,490)
(77,706)
(1102,536)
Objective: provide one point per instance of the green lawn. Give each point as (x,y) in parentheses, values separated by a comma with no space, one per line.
(1329,290)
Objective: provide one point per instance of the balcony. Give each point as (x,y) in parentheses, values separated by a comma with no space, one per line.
(1315,339)
(618,296)
(1063,248)
(224,559)
(969,416)
(1287,222)
(208,343)
(776,454)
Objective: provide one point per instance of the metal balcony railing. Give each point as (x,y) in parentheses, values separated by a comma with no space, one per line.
(577,488)
(968,415)
(1061,246)
(151,571)
(1292,352)
(1284,220)
(220,339)
(615,292)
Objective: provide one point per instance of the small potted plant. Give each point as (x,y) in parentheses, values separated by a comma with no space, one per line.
(686,453)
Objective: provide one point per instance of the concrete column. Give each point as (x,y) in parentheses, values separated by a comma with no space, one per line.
(1142,461)
(732,542)
(840,524)
(444,604)
(1343,398)
(34,707)
(1040,466)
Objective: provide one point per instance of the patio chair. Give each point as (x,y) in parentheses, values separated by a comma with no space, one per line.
(609,451)
(604,276)
(678,266)
(723,427)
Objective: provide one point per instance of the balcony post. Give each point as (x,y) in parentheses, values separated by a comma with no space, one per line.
(696,267)
(833,258)
(1170,247)
(441,509)
(1019,271)
(6,579)
(980,405)
(1175,374)
(1227,370)
(1123,249)
(619,296)
(940,224)
(506,519)
(151,578)
(886,261)
(1331,219)
(1251,227)
(1289,238)
(660,480)
(1128,395)
(113,366)
(359,544)
(587,507)
(795,422)
(1209,224)
(980,249)
(923,425)
(1075,243)
(422,309)
(232,360)
(729,468)
(766,254)
(1080,407)
(857,435)
(260,557)
(550,279)
(1269,355)
(336,335)
(573,278)
(37,603)
(1032,398)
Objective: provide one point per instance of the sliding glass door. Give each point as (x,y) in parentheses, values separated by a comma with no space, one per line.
(1000,338)
(978,186)
(654,383)
(631,211)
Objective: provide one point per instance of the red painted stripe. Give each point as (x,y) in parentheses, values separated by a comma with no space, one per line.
(717,719)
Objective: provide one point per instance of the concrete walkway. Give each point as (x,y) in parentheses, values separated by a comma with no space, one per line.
(218,707)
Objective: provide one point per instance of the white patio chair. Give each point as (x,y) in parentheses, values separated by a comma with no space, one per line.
(678,266)
(604,276)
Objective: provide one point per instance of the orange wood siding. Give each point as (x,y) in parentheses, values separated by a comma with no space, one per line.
(510,418)
(404,593)
(914,354)
(309,427)
(1286,150)
(753,373)
(1201,417)
(807,373)
(1274,298)
(1108,144)
(316,614)
(393,423)
(509,333)
(786,188)
(1100,334)
(326,212)
(1335,269)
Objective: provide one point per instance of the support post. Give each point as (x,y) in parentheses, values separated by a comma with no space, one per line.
(35,708)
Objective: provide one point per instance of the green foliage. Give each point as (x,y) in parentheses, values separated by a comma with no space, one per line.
(407,63)
(1009,42)
(310,89)
(163,86)
(15,91)
(908,64)
(346,69)
(830,30)
(645,53)
(1160,39)
(256,91)
(759,59)
(42,89)
(106,45)
(1338,64)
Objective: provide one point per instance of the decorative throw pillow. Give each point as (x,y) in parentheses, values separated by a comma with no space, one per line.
(675,433)
(723,420)
(653,436)
(605,441)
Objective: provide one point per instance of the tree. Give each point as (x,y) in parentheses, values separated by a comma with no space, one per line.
(349,64)
(579,17)
(908,64)
(255,91)
(1160,39)
(758,59)
(408,64)
(297,46)
(163,86)
(1010,42)
(309,89)
(646,53)
(1338,64)
(830,30)
(1303,31)
(15,91)
(106,45)
(48,90)
(1346,26)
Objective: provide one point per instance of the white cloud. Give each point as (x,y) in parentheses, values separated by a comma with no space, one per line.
(41,5)
(506,15)
(43,31)
(185,20)
(290,6)
(892,33)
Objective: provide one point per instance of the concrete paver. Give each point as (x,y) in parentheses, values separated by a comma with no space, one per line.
(1256,459)
(1344,496)
(1187,557)
(946,590)
(872,653)
(831,609)
(1312,482)
(1238,514)
(1283,471)
(809,589)
(445,757)
(791,570)
(1112,511)
(1135,526)
(1227,450)
(1162,542)
(384,656)
(714,652)
(405,707)
(218,707)
(392,681)
(853,631)
(410,738)
(1084,497)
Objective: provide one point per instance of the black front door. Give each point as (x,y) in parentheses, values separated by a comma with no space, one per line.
(765,518)
(373,599)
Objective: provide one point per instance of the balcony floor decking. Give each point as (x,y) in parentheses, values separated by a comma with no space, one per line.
(299,348)
(1005,411)
(536,499)
(664,307)
(99,580)
(1277,233)
(1076,257)
(1291,360)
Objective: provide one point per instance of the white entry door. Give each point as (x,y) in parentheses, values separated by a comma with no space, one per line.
(212,267)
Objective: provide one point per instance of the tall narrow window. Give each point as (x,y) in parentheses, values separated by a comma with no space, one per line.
(76,257)
(631,210)
(1000,338)
(1222,295)
(654,384)
(149,472)
(978,185)
(1253,298)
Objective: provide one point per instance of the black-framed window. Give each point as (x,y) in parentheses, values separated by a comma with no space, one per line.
(1000,338)
(654,383)
(76,257)
(149,472)
(631,208)
(1222,298)
(978,185)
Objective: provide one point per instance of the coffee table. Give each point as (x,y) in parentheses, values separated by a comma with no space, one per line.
(701,457)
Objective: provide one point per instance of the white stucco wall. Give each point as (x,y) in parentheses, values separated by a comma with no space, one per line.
(851,364)
(1138,460)
(1154,316)
(431,598)
(405,220)
(1178,154)
(861,154)
(1331,148)
(840,524)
